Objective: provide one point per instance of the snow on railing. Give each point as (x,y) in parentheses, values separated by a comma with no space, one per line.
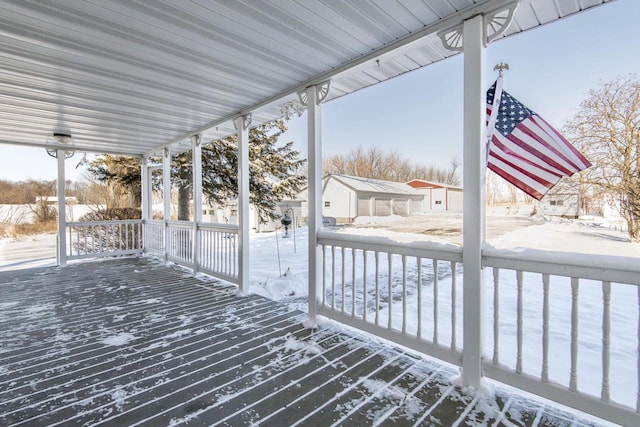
(406,294)
(219,250)
(103,238)
(566,327)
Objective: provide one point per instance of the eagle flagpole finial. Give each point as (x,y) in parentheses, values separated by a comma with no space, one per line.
(501,67)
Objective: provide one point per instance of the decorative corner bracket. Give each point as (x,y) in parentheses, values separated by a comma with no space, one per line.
(291,109)
(53,152)
(496,23)
(196,139)
(242,122)
(322,90)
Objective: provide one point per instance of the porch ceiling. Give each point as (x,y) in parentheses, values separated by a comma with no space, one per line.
(134,76)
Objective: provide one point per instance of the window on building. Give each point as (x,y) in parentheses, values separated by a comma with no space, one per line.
(327,204)
(438,202)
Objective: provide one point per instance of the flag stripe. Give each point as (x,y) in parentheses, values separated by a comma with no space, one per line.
(518,149)
(530,191)
(533,169)
(523,176)
(520,180)
(551,142)
(570,151)
(527,138)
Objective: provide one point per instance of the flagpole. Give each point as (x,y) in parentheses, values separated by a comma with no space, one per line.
(497,97)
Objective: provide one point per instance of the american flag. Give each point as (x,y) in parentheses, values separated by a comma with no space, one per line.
(526,150)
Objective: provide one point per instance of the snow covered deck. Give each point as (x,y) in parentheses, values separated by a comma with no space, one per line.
(132,341)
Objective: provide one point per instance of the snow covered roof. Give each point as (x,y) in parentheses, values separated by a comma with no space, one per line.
(370,185)
(135,77)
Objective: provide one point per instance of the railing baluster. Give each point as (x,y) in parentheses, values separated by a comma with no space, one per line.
(519,309)
(573,381)
(435,301)
(404,294)
(638,359)
(364,285)
(606,339)
(324,275)
(333,277)
(545,328)
(453,305)
(419,331)
(496,316)
(390,302)
(378,291)
(353,282)
(342,276)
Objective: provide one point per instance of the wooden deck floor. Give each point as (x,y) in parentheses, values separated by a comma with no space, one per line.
(134,342)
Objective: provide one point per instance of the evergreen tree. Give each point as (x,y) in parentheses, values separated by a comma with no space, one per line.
(122,175)
(275,172)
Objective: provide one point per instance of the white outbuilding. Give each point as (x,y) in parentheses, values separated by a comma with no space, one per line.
(438,197)
(347,197)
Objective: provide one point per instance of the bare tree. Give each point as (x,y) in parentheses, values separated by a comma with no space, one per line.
(377,164)
(606,129)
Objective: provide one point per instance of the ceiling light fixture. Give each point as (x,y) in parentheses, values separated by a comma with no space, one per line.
(62,138)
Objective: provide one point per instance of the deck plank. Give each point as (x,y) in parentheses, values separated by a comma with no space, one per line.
(133,341)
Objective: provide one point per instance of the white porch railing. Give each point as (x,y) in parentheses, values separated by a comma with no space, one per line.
(566,328)
(154,237)
(179,238)
(407,294)
(171,240)
(540,335)
(103,238)
(217,251)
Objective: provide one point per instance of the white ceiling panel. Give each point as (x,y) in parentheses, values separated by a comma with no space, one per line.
(135,76)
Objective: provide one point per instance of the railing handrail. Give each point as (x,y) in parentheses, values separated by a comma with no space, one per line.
(424,249)
(103,222)
(609,268)
(218,226)
(189,224)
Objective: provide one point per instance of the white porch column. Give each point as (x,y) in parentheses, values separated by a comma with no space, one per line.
(242,130)
(314,96)
(166,196)
(196,160)
(145,188)
(62,219)
(145,184)
(473,199)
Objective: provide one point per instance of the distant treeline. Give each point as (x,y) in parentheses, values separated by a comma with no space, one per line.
(26,192)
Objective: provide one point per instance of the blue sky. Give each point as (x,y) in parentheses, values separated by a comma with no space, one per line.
(419,114)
